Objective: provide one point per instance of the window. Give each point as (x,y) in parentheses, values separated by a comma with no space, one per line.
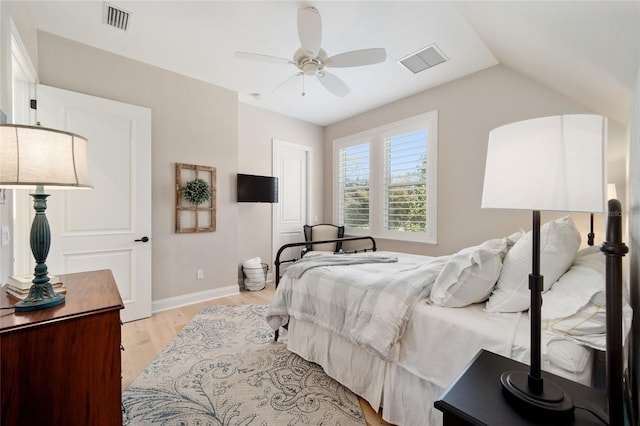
(354,186)
(385,181)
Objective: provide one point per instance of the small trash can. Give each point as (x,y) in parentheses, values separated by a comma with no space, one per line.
(254,277)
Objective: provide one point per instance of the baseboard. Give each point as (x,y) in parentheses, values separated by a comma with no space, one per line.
(191,298)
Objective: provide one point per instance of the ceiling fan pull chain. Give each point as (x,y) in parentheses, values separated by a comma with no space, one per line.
(303,93)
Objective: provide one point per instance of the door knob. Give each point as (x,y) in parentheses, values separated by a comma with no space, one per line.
(143,239)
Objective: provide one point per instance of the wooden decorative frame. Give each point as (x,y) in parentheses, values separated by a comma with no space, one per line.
(189,217)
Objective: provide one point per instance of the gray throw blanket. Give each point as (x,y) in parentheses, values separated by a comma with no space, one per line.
(303,265)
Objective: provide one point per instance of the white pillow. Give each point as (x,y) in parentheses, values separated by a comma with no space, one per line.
(559,243)
(469,276)
(576,304)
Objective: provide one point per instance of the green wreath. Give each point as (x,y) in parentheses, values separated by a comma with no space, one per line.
(196,191)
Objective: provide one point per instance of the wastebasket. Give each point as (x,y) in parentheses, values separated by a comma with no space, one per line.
(254,277)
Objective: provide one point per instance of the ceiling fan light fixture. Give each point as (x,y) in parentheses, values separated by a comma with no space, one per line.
(310,68)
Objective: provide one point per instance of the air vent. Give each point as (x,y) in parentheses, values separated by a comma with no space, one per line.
(424,59)
(116,17)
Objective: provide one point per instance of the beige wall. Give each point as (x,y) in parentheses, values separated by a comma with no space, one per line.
(192,122)
(256,129)
(468,109)
(198,123)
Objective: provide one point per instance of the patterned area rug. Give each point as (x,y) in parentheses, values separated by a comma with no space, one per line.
(224,368)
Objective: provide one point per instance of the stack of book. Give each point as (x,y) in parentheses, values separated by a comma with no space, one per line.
(18,285)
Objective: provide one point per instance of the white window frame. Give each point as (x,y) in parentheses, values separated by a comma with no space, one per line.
(376,138)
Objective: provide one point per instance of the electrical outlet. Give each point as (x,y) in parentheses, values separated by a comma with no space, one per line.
(200,274)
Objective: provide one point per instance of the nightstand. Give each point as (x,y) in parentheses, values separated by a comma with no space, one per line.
(476,398)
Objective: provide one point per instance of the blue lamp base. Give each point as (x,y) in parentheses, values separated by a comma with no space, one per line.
(41,294)
(33,304)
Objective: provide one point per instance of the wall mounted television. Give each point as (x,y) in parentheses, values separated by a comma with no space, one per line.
(257,189)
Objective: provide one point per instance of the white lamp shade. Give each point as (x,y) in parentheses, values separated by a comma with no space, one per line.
(32,156)
(612,194)
(550,163)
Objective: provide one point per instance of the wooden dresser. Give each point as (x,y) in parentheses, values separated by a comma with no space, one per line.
(61,365)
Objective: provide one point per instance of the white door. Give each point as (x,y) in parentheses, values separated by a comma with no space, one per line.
(24,78)
(102,228)
(291,166)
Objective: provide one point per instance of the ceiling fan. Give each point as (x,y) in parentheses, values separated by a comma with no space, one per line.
(311,59)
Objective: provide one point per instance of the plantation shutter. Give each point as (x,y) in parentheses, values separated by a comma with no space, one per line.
(405,182)
(353,182)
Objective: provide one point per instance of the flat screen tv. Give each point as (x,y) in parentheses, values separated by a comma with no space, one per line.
(257,189)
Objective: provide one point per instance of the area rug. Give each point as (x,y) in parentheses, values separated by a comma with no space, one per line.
(224,368)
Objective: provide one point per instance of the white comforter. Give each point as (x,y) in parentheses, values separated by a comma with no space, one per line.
(369,305)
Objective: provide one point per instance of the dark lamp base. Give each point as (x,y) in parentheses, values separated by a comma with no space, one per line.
(551,402)
(28,305)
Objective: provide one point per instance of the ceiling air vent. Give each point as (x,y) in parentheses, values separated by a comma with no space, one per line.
(424,59)
(116,17)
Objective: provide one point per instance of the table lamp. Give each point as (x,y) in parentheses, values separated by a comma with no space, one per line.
(555,164)
(34,157)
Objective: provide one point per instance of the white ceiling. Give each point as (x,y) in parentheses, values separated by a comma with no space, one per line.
(588,51)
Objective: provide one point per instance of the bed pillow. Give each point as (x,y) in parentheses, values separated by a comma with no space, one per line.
(469,275)
(559,243)
(576,304)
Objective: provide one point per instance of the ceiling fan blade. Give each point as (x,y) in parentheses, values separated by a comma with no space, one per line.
(357,58)
(333,84)
(298,74)
(310,30)
(263,58)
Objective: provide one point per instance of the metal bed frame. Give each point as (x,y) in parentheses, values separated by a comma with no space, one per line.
(279,262)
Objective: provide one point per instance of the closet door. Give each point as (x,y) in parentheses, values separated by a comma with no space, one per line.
(290,165)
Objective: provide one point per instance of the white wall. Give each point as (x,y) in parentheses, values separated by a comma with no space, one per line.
(256,129)
(468,108)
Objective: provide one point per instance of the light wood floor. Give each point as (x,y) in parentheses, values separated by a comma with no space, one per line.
(143,339)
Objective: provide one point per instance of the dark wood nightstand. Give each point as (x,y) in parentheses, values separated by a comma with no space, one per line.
(476,397)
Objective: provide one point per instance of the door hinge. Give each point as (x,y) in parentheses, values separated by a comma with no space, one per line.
(33,104)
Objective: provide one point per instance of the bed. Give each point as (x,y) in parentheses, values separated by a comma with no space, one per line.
(398,328)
